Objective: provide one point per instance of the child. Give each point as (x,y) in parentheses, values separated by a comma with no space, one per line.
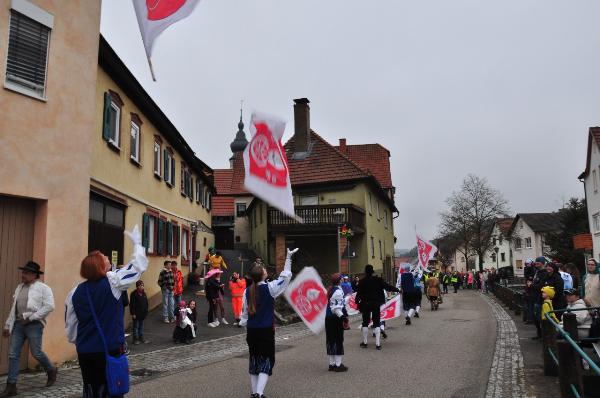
(548,295)
(257,315)
(214,295)
(237,286)
(184,327)
(334,328)
(138,307)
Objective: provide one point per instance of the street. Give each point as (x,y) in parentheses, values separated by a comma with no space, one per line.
(447,353)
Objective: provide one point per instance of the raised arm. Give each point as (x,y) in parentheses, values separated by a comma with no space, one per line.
(279,285)
(123,278)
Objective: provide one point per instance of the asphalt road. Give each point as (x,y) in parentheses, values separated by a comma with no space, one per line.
(447,353)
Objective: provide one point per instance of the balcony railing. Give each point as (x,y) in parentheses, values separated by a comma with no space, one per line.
(321,216)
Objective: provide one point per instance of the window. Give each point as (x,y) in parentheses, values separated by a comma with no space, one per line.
(161,235)
(209,201)
(372,247)
(28,43)
(519,264)
(198,190)
(173,239)
(111,128)
(134,147)
(309,200)
(596,218)
(240,209)
(495,241)
(500,239)
(595,180)
(378,212)
(169,167)
(462,259)
(149,226)
(385,219)
(370,203)
(503,257)
(517,243)
(185,245)
(380,251)
(157,158)
(528,243)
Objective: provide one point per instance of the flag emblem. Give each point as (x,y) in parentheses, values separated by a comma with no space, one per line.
(161,9)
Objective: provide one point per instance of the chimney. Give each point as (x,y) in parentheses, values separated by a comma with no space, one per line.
(342,145)
(302,124)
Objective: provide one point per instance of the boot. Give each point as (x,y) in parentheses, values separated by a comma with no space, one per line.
(51,377)
(9,391)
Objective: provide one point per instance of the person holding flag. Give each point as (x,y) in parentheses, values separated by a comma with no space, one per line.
(369,298)
(258,304)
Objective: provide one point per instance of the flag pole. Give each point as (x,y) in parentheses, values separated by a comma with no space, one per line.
(151,69)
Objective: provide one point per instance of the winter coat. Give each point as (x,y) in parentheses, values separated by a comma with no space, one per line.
(584,319)
(237,287)
(177,283)
(213,289)
(433,287)
(370,289)
(138,305)
(538,283)
(558,302)
(592,289)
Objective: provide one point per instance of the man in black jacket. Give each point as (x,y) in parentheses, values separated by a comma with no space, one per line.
(369,297)
(538,283)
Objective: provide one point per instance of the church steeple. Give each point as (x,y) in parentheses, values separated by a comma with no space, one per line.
(240,141)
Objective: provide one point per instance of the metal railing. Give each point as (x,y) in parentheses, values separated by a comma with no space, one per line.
(323,215)
(563,358)
(511,296)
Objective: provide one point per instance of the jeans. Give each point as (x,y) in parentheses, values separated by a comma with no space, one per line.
(176,300)
(138,329)
(33,332)
(168,304)
(529,310)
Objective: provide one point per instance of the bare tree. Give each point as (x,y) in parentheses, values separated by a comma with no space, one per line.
(471,215)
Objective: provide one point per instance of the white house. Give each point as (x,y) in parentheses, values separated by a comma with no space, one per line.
(500,239)
(527,233)
(590,182)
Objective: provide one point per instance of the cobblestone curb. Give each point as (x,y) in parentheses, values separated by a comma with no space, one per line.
(507,376)
(146,366)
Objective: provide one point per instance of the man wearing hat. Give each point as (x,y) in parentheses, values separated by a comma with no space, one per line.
(33,302)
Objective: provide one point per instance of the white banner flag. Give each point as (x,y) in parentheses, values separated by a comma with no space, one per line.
(267,174)
(308,297)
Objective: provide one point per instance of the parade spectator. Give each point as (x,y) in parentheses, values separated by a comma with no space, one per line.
(258,317)
(96,298)
(584,319)
(538,282)
(167,284)
(566,277)
(554,279)
(592,283)
(369,297)
(482,282)
(470,280)
(334,325)
(528,300)
(33,301)
(237,286)
(177,285)
(529,271)
(216,261)
(445,282)
(138,307)
(214,295)
(455,280)
(354,283)
(346,285)
(575,275)
(185,325)
(547,296)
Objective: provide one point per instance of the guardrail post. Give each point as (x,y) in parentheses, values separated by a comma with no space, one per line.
(569,370)
(570,325)
(548,343)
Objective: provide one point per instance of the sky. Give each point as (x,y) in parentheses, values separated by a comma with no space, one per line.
(506,90)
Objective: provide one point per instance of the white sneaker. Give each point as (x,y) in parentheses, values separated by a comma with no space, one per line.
(235,323)
(224,321)
(212,325)
(216,323)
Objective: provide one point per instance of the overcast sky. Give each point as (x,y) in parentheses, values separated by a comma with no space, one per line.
(504,89)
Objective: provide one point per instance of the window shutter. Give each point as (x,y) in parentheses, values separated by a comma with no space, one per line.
(191,188)
(161,237)
(27,56)
(173,171)
(209,204)
(106,119)
(145,231)
(177,240)
(166,164)
(169,238)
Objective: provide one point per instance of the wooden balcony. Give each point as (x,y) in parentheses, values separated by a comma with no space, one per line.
(319,217)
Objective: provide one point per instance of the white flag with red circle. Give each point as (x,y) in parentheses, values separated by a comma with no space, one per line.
(308,297)
(392,309)
(267,174)
(154,16)
(426,251)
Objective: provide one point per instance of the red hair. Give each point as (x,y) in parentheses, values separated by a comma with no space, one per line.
(93,267)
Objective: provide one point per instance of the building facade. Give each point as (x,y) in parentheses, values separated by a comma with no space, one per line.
(48,66)
(500,252)
(527,234)
(590,178)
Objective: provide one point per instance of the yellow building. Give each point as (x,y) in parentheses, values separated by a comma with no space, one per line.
(336,188)
(143,172)
(48,65)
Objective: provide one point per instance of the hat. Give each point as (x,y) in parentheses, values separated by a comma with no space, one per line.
(213,272)
(335,278)
(549,290)
(571,292)
(529,261)
(32,267)
(541,259)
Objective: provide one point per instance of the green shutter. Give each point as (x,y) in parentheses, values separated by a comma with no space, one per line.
(173,171)
(145,232)
(191,188)
(161,237)
(106,119)
(166,164)
(169,238)
(177,240)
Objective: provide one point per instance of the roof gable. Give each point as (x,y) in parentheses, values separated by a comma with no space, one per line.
(593,138)
(504,224)
(538,222)
(374,159)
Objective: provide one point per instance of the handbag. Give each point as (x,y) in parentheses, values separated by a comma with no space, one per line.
(117,368)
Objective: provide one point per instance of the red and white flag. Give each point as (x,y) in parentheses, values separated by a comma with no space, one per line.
(426,251)
(392,309)
(308,297)
(154,16)
(267,173)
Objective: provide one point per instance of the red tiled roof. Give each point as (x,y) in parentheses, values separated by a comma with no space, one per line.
(223,181)
(323,164)
(373,159)
(222,206)
(231,181)
(504,224)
